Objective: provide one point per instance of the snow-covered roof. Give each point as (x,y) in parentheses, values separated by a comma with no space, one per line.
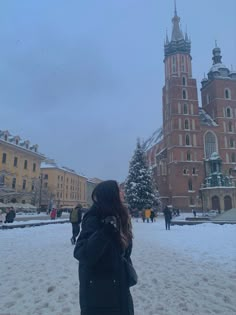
(162,154)
(7,137)
(156,137)
(54,165)
(214,156)
(217,67)
(206,119)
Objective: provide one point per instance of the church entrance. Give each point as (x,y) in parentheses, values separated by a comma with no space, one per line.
(227,203)
(215,203)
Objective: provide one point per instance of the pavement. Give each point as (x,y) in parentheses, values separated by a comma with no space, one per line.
(43,216)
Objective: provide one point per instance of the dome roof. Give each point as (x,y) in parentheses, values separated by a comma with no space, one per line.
(216,67)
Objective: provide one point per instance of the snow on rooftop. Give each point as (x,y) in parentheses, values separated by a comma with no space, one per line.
(45,165)
(217,67)
(156,137)
(206,119)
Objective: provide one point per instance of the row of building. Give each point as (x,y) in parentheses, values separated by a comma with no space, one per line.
(26,176)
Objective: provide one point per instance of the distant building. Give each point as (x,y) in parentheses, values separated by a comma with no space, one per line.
(91,184)
(61,186)
(179,151)
(19,169)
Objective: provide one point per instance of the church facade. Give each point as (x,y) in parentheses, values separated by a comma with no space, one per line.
(179,151)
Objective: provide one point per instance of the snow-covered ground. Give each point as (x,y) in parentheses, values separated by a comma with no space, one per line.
(187,270)
(35,221)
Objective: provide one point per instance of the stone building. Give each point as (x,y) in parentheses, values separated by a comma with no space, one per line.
(91,184)
(19,169)
(179,150)
(61,186)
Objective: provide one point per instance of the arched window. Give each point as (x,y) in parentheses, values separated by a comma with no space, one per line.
(210,144)
(187,140)
(230,126)
(227,94)
(231,142)
(188,156)
(184,94)
(184,171)
(182,63)
(228,112)
(233,157)
(186,124)
(184,81)
(190,184)
(174,64)
(160,167)
(185,109)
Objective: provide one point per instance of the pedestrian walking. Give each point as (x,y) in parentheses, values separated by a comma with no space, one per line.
(103,250)
(10,216)
(53,214)
(168,217)
(152,215)
(75,219)
(147,214)
(143,216)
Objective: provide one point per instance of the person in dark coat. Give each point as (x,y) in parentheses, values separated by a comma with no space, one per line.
(10,216)
(168,217)
(103,249)
(75,219)
(152,216)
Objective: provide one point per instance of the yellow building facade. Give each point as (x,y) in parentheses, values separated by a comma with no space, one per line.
(65,187)
(19,169)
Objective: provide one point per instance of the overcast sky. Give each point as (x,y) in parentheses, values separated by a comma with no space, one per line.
(83,78)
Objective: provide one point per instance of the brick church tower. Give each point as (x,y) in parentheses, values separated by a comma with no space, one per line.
(219,100)
(181,128)
(192,137)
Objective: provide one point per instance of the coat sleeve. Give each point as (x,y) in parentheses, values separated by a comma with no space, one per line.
(93,241)
(79,216)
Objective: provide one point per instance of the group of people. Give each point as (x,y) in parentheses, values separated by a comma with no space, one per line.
(7,216)
(148,215)
(54,213)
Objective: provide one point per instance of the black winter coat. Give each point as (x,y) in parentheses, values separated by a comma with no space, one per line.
(10,216)
(167,214)
(103,281)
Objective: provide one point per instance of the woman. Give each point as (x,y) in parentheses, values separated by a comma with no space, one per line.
(103,250)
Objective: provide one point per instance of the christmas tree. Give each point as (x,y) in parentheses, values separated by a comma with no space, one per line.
(139,190)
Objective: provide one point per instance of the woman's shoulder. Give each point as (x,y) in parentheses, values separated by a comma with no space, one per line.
(91,215)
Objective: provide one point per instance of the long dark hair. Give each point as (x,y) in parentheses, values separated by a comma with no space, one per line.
(106,197)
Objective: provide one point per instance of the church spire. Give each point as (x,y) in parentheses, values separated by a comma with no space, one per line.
(175,9)
(216,54)
(178,41)
(167,38)
(176,31)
